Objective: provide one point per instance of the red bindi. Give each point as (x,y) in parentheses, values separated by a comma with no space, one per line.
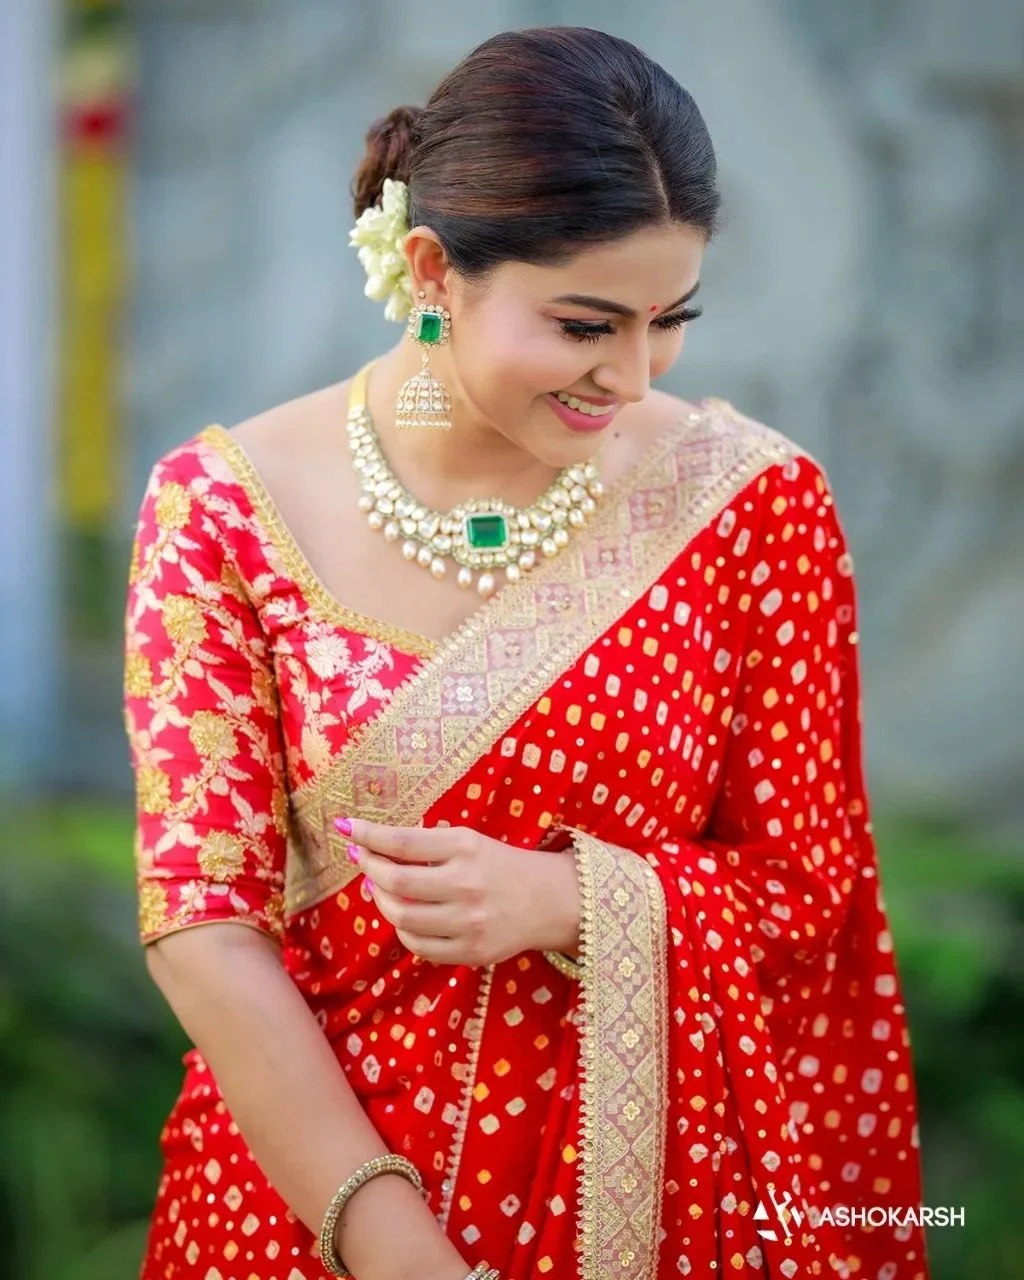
(654,307)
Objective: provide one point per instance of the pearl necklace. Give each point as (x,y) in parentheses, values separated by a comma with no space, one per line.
(482,536)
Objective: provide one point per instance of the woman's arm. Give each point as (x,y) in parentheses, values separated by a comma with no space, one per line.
(207,748)
(291,1101)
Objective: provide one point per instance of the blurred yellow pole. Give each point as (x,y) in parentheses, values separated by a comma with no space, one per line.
(96,79)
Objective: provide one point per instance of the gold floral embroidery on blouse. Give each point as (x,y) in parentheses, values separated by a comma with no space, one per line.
(238,688)
(202,721)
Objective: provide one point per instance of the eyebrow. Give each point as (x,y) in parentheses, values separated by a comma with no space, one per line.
(616,308)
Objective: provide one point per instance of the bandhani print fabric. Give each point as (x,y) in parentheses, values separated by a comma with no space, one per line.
(675,697)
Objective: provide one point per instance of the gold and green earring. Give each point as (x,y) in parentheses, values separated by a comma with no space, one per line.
(424,401)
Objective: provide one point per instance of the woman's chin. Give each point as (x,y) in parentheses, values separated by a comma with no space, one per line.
(566,453)
(552,444)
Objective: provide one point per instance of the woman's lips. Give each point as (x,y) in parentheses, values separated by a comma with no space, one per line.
(577,421)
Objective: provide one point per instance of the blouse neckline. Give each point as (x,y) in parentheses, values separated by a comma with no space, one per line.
(326,605)
(319,596)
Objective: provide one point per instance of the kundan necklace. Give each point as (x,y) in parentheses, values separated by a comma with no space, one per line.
(483,537)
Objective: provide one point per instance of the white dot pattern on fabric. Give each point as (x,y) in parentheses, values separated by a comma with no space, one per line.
(712,731)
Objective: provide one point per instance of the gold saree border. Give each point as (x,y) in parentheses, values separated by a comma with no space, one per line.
(624,1061)
(326,606)
(500,661)
(474,1033)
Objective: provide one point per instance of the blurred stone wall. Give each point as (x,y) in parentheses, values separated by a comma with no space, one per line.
(867,296)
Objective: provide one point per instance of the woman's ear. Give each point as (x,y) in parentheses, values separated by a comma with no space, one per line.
(428,265)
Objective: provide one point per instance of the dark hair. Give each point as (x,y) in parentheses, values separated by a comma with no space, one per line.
(542,141)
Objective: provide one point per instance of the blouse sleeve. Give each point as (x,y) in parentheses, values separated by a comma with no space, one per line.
(202,722)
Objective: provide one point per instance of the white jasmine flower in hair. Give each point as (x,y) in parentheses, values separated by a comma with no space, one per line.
(379,235)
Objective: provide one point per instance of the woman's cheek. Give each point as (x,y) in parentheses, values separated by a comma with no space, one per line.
(666,351)
(549,363)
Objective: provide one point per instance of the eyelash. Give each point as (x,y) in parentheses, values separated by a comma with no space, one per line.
(593,331)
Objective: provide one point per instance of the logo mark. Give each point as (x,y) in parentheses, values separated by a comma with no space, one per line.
(782,1211)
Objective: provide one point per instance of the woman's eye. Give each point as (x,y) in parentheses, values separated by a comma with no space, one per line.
(593,330)
(679,318)
(585,330)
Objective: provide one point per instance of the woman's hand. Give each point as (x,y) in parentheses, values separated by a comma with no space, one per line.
(457,897)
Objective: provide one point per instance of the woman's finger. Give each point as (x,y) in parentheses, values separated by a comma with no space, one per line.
(433,920)
(423,884)
(406,844)
(441,950)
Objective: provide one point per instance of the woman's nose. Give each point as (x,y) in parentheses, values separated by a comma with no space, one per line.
(628,378)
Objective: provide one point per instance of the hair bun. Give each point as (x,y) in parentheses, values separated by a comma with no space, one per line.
(389,147)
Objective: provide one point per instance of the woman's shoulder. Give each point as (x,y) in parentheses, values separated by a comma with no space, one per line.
(718,416)
(716,447)
(733,472)
(222,464)
(294,431)
(274,434)
(717,420)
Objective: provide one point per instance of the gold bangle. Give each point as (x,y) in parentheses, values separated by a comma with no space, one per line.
(329,1259)
(480,1272)
(571,968)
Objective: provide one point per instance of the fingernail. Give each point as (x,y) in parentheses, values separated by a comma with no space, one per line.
(369,885)
(353,852)
(343,825)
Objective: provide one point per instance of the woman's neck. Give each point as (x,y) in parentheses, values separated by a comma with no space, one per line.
(444,468)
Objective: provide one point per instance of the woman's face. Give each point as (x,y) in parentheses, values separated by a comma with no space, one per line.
(597,329)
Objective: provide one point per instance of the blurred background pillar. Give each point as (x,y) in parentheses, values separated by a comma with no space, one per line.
(28,609)
(97,110)
(95,84)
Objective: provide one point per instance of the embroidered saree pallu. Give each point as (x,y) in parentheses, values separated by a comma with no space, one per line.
(675,697)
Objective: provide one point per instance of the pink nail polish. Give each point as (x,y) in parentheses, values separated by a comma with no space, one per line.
(343,826)
(353,852)
(369,885)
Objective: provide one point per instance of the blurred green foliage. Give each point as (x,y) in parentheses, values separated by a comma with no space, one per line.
(90,1057)
(89,1054)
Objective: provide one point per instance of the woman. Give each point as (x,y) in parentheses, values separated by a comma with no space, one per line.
(519,723)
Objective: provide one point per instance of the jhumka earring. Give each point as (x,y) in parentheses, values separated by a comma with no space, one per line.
(424,401)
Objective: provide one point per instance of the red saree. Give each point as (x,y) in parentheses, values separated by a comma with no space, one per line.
(676,694)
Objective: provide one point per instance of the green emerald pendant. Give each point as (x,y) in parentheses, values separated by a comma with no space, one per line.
(486,532)
(430,327)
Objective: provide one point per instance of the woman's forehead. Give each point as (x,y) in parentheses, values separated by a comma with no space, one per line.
(645,270)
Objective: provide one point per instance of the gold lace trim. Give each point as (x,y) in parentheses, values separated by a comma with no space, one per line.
(326,606)
(565,964)
(624,1060)
(475,1034)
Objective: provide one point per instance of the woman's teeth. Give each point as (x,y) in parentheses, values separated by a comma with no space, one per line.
(584,406)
